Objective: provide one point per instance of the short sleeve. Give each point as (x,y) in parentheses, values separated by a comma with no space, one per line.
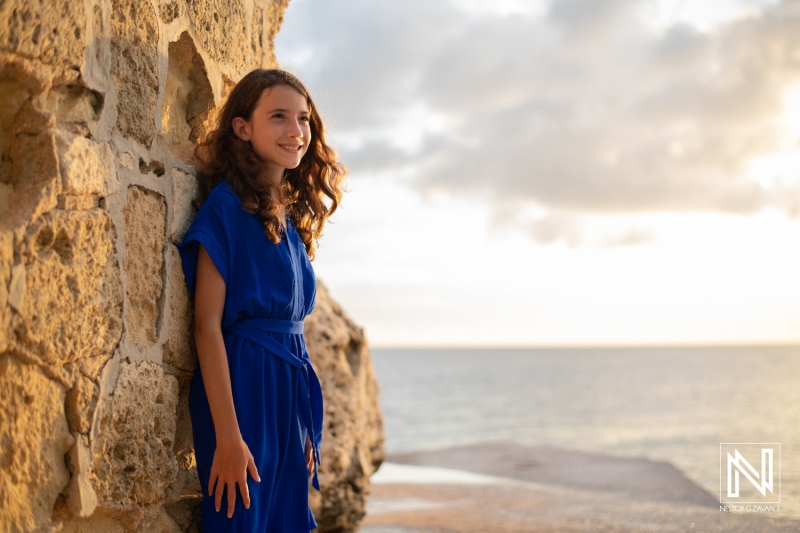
(211,228)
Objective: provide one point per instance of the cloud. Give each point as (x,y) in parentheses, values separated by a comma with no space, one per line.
(575,230)
(586,108)
(556,227)
(629,237)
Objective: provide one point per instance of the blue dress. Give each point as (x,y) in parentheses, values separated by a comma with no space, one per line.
(270,288)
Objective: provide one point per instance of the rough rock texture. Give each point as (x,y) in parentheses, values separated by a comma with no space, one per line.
(70,308)
(144,214)
(179,348)
(353,436)
(34,437)
(51,31)
(133,462)
(187,98)
(215,20)
(134,67)
(102,104)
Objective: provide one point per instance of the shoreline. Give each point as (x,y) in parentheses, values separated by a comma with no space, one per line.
(503,486)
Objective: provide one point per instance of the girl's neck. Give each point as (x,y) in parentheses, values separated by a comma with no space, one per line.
(272,173)
(275,180)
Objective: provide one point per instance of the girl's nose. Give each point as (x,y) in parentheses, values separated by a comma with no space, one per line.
(295,130)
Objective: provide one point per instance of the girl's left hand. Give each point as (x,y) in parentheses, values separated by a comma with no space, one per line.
(309,455)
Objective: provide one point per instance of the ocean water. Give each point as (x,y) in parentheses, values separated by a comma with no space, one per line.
(674,404)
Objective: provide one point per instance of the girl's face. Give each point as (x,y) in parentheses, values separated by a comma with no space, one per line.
(279,128)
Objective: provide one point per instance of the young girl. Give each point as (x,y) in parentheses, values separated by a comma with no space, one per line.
(269,182)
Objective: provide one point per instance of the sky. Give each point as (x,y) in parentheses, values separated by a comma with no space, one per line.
(559,172)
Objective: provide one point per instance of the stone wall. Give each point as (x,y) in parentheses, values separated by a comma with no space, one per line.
(102,102)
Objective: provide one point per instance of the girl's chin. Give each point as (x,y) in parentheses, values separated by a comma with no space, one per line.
(294,162)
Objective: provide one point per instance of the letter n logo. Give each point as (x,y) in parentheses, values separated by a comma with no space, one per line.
(744,481)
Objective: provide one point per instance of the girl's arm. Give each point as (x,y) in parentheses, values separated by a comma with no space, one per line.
(232,457)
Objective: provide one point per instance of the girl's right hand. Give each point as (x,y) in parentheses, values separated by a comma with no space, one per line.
(232,461)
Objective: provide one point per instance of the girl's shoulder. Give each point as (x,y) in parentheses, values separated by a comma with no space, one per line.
(223,196)
(223,188)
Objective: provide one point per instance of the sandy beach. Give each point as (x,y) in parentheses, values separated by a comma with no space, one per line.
(506,487)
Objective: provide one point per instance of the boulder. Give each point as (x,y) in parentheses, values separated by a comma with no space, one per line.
(353,435)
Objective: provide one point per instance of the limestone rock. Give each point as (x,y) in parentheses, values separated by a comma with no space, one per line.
(76,308)
(144,215)
(87,167)
(155,167)
(187,482)
(28,158)
(188,98)
(33,440)
(6,260)
(184,191)
(353,436)
(81,497)
(213,21)
(163,524)
(133,461)
(125,160)
(15,94)
(80,404)
(17,287)
(179,348)
(34,177)
(134,67)
(53,32)
(100,522)
(6,191)
(186,513)
(169,11)
(185,494)
(257,35)
(74,104)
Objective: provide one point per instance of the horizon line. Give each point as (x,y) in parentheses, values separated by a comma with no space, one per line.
(588,345)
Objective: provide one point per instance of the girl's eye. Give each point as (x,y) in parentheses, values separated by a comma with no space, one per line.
(305,119)
(277,115)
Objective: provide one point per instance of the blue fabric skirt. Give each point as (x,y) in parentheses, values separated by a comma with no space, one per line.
(265,397)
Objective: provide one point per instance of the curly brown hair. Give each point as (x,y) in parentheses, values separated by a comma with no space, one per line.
(223,155)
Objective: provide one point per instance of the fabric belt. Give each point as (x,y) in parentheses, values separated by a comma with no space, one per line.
(257,330)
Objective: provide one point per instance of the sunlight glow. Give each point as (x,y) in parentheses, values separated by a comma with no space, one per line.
(703,16)
(780,171)
(790,119)
(502,8)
